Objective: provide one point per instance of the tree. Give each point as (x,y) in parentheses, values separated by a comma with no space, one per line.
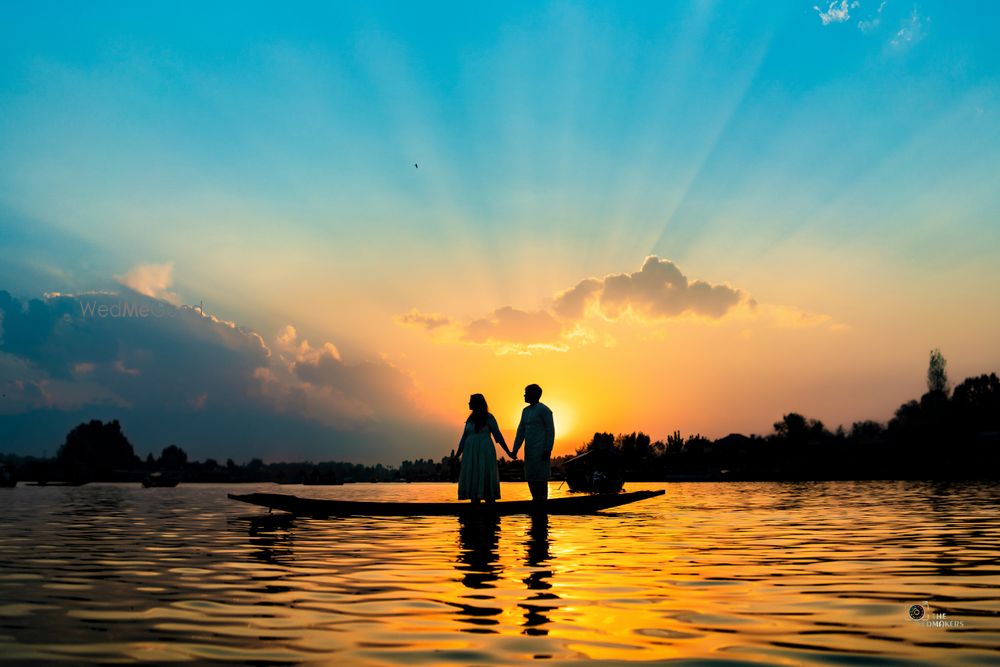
(977,403)
(98,446)
(600,441)
(696,443)
(794,430)
(675,442)
(792,427)
(867,431)
(173,457)
(937,377)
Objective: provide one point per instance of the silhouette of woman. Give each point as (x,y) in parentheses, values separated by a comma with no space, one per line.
(479,478)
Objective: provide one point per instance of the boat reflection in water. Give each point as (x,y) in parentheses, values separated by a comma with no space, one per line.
(479,563)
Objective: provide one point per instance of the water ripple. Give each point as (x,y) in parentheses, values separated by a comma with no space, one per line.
(720,574)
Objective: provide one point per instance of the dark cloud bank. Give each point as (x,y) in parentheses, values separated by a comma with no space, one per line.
(174,375)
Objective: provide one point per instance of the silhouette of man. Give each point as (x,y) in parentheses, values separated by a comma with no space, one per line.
(537,432)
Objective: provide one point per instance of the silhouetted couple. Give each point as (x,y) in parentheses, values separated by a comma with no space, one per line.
(479,478)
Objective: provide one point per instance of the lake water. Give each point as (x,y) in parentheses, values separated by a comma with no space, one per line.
(721,574)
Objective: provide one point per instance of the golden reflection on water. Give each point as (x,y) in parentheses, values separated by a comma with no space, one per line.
(748,573)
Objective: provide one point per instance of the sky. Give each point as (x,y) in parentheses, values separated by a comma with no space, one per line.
(312,234)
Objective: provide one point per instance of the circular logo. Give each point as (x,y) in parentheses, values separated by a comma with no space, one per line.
(916,612)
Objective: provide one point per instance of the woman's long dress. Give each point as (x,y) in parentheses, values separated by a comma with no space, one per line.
(479,477)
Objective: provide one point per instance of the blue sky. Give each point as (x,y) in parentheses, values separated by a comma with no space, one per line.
(840,159)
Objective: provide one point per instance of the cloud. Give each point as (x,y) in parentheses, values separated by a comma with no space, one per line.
(300,350)
(173,373)
(572,304)
(511,325)
(364,389)
(152,280)
(836,12)
(26,387)
(657,291)
(911,31)
(872,22)
(428,321)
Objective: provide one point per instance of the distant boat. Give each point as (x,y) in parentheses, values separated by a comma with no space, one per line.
(320,508)
(159,480)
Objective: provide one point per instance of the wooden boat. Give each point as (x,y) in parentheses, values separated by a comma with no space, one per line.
(321,508)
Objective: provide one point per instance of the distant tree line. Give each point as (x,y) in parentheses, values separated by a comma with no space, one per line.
(947,433)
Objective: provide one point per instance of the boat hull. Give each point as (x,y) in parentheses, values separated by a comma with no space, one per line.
(321,508)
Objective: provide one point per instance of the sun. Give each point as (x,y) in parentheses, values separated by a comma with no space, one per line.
(564,419)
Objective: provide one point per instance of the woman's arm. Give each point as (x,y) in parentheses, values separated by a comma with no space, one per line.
(498,436)
(519,437)
(461,443)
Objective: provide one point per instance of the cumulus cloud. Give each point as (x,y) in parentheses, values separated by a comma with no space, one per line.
(152,280)
(572,304)
(658,290)
(836,12)
(300,350)
(369,388)
(136,347)
(314,381)
(176,373)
